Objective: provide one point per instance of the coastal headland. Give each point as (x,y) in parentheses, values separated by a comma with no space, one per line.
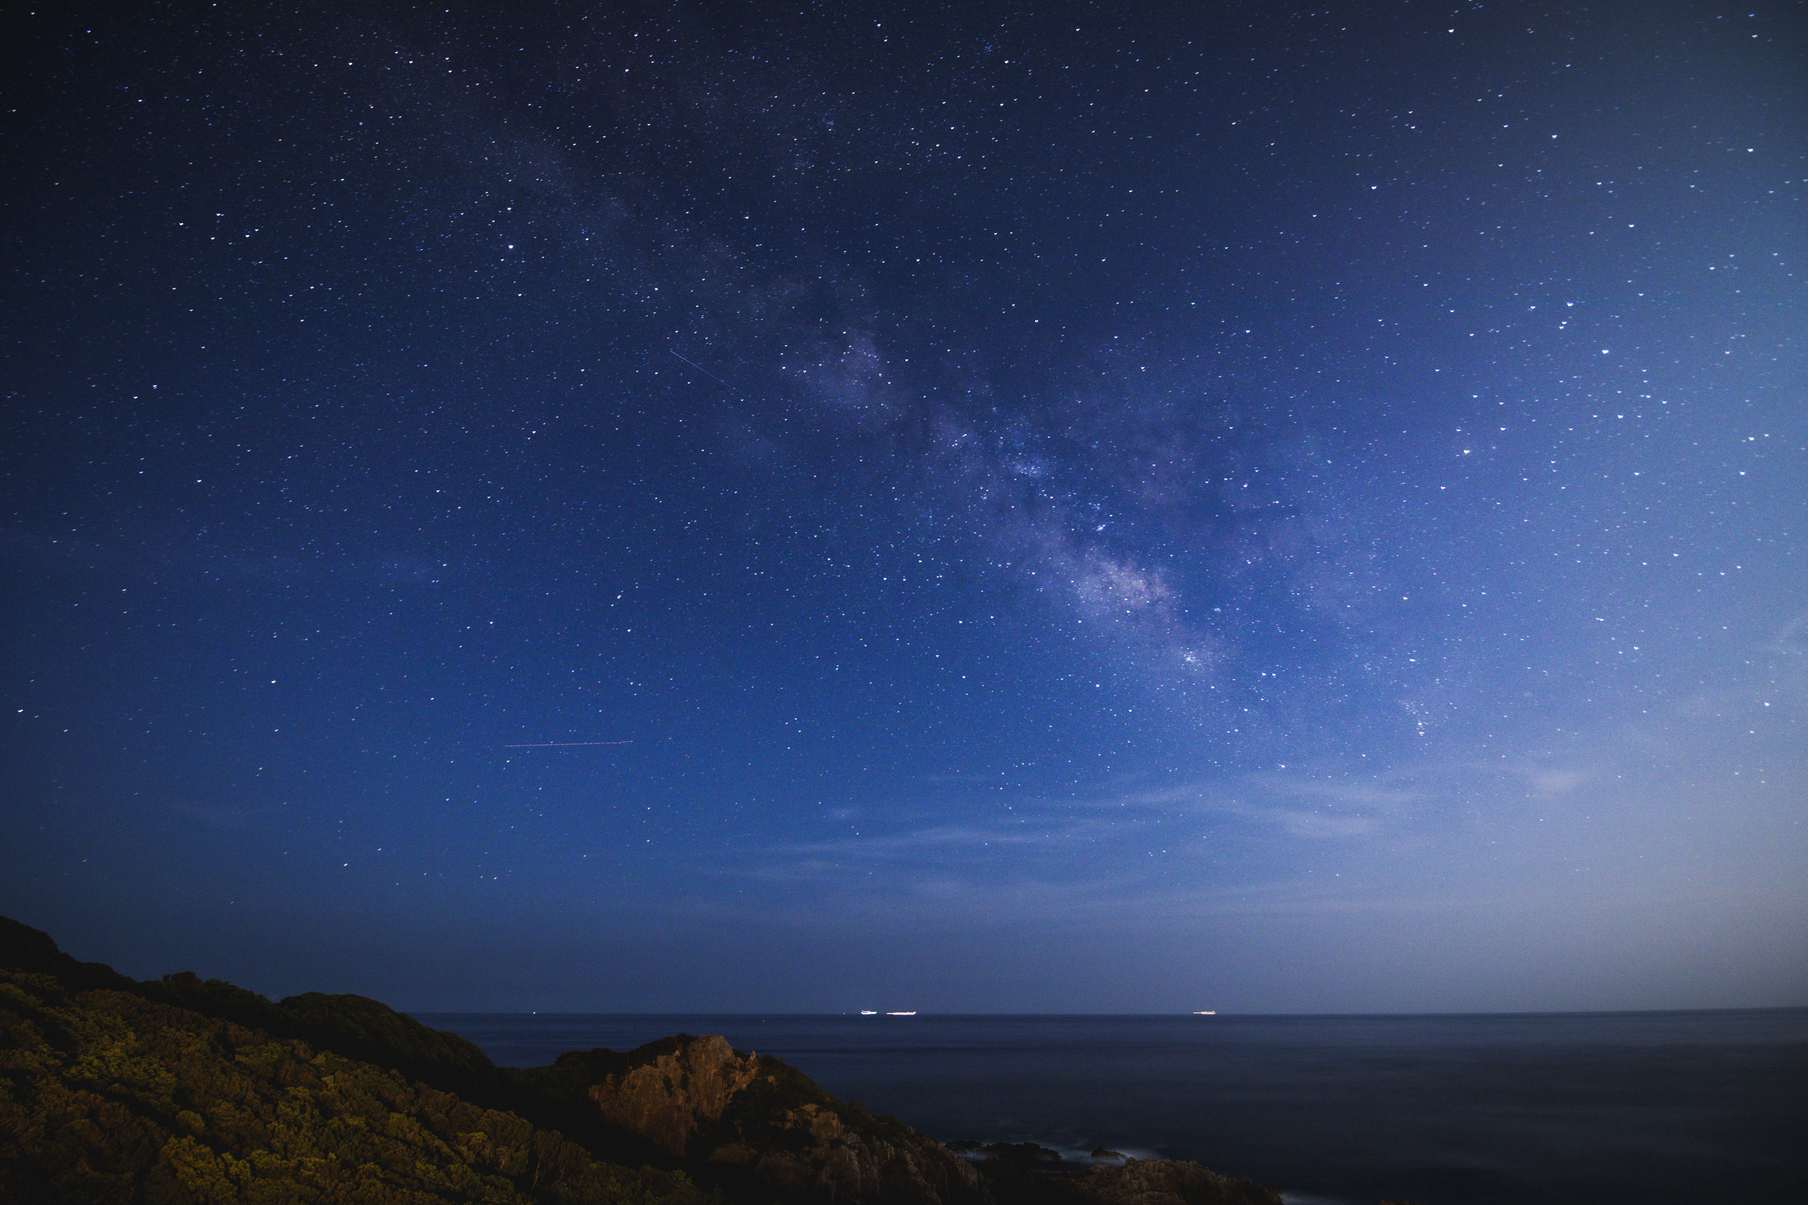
(191,1089)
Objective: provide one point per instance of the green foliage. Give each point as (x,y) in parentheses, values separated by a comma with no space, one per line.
(354,1026)
(357,1022)
(184,1089)
(108,1095)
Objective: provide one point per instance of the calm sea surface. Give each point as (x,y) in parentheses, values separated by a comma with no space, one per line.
(1599,1108)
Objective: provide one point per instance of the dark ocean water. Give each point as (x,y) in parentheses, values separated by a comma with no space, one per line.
(1600,1108)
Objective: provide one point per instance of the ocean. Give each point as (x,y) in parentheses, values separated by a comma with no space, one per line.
(1601,1108)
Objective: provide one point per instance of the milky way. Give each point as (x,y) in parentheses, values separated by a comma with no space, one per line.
(988,507)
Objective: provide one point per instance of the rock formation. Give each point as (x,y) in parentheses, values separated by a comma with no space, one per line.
(107,1094)
(770,1130)
(1168,1182)
(684,1083)
(1023,1173)
(188,1089)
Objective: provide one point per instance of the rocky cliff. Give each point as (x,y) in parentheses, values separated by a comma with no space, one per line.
(109,1095)
(771,1132)
(1022,1173)
(785,1139)
(184,1089)
(671,1089)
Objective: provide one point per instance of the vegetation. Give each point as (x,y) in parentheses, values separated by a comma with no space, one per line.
(109,1095)
(192,1089)
(184,1089)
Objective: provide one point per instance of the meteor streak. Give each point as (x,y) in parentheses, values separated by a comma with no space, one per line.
(706,372)
(565,744)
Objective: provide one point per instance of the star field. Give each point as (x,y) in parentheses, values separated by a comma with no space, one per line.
(990,507)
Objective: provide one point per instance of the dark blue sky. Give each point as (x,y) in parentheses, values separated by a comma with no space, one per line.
(1045,508)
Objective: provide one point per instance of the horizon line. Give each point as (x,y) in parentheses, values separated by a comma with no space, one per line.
(1219,1015)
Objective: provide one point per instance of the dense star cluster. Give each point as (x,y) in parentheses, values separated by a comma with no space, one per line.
(978,506)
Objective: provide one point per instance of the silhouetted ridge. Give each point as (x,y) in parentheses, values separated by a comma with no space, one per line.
(27,949)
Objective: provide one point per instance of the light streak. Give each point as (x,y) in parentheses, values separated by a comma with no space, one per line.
(706,372)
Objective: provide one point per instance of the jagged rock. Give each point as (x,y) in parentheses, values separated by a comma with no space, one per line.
(687,1084)
(844,1164)
(1167,1182)
(764,1122)
(190,1080)
(357,1028)
(114,1095)
(1023,1173)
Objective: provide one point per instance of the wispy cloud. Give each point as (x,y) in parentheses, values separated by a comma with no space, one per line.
(1552,783)
(1310,823)
(1379,795)
(1117,825)
(1308,807)
(938,840)
(1791,640)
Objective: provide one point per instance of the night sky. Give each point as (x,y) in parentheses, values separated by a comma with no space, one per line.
(988,507)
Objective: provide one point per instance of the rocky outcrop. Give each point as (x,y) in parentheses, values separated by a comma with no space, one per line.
(826,1156)
(185,1088)
(772,1133)
(683,1084)
(1168,1182)
(111,1094)
(1023,1173)
(357,1028)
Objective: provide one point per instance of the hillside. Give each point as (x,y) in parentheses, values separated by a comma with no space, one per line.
(183,1089)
